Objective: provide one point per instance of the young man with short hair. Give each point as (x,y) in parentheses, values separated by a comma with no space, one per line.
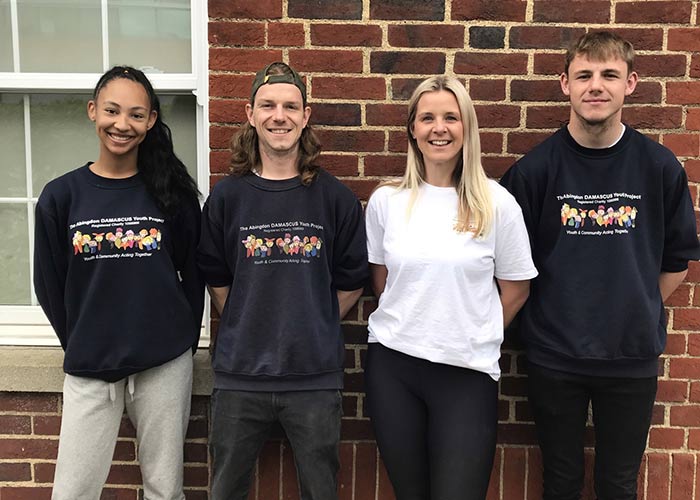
(612,228)
(283,251)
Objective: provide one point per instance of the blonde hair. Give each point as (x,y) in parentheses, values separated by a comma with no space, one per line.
(475,212)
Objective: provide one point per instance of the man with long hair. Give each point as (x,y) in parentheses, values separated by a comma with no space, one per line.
(283,251)
(612,228)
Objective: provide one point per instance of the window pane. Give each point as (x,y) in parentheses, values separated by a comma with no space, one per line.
(14,255)
(12,164)
(63,138)
(180,115)
(60,37)
(153,35)
(5,36)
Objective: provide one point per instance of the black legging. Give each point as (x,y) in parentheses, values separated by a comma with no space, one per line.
(435,425)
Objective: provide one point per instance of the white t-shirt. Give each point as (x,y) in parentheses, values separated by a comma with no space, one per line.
(440,302)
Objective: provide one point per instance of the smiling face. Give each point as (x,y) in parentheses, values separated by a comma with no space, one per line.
(122,115)
(438,130)
(597,90)
(279,117)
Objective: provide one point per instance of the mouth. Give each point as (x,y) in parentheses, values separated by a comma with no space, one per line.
(119,137)
(278,131)
(439,142)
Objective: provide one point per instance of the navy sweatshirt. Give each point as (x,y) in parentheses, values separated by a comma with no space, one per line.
(284,249)
(603,223)
(116,277)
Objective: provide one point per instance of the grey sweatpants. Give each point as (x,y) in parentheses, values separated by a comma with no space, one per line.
(157,401)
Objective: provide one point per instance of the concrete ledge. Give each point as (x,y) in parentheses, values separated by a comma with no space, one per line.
(40,369)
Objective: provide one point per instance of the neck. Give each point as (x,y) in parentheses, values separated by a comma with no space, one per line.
(594,135)
(115,168)
(439,175)
(278,167)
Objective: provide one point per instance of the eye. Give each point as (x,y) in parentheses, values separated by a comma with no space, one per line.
(110,111)
(138,116)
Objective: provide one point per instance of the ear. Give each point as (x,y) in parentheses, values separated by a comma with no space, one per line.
(411,127)
(249,114)
(307,115)
(152,119)
(564,82)
(631,82)
(91,110)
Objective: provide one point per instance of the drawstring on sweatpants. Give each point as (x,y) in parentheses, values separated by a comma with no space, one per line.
(113,389)
(112,392)
(131,387)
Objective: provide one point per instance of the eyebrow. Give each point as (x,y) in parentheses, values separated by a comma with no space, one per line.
(115,104)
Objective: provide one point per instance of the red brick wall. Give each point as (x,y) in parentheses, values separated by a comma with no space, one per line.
(361,60)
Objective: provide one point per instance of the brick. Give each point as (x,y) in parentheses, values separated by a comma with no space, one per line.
(339,165)
(362,189)
(680,296)
(325,9)
(124,474)
(683,144)
(354,334)
(247,34)
(543,37)
(497,115)
(286,34)
(666,439)
(517,434)
(44,472)
(386,114)
(220,137)
(643,117)
(348,88)
(692,119)
(24,402)
(384,488)
(231,85)
(487,90)
(683,92)
(641,38)
(350,406)
(228,59)
(650,12)
(693,344)
(242,9)
(513,386)
(345,472)
(695,66)
(571,11)
(406,10)
(219,162)
(694,439)
(660,65)
(376,165)
(227,110)
(523,142)
(28,448)
(646,93)
(505,10)
(692,168)
(365,470)
(549,64)
(491,142)
(402,88)
(12,472)
(346,34)
(197,428)
(125,451)
(426,35)
(684,368)
(196,476)
(672,391)
(487,63)
(18,493)
(354,382)
(693,272)
(536,90)
(407,62)
(658,466)
(675,345)
(269,468)
(15,424)
(326,61)
(514,470)
(682,476)
(494,489)
(357,429)
(335,114)
(487,37)
(47,425)
(351,140)
(547,116)
(496,166)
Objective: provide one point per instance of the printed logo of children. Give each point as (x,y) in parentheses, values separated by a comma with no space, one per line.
(306,246)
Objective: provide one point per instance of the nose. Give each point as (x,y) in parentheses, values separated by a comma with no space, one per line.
(439,125)
(279,113)
(121,122)
(595,83)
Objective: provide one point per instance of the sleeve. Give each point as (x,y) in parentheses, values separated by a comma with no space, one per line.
(350,268)
(191,279)
(513,258)
(680,236)
(375,227)
(50,269)
(211,251)
(525,195)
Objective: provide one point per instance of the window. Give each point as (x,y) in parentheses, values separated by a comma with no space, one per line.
(51,54)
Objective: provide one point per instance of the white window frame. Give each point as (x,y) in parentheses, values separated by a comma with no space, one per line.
(28,325)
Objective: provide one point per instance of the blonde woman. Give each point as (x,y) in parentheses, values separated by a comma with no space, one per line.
(439,243)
